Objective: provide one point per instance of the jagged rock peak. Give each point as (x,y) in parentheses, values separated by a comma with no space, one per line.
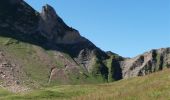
(48,12)
(54,28)
(50,17)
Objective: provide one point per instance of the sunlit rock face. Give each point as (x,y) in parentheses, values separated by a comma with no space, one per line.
(146,63)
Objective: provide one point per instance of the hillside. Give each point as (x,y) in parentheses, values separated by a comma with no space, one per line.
(152,87)
(38,49)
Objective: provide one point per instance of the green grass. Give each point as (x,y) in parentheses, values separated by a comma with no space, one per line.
(152,87)
(59,63)
(108,63)
(25,55)
(4,93)
(35,70)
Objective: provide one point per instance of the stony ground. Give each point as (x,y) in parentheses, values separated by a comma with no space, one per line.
(152,87)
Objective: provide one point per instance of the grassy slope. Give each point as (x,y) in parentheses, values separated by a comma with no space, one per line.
(36,63)
(37,70)
(152,87)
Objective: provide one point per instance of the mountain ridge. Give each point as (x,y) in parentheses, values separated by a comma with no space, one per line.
(43,50)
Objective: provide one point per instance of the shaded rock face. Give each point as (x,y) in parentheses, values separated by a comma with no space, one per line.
(54,28)
(116,70)
(15,1)
(18,19)
(146,63)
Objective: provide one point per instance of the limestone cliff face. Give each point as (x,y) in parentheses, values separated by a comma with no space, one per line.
(146,63)
(54,28)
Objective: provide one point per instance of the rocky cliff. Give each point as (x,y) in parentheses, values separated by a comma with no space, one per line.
(149,62)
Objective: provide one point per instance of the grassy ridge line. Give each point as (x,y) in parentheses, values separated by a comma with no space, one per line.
(152,87)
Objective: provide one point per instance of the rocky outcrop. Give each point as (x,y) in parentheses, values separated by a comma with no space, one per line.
(54,28)
(146,63)
(11,74)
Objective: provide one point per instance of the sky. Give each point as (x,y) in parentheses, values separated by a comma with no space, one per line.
(126,27)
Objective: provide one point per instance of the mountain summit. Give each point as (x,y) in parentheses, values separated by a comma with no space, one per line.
(54,28)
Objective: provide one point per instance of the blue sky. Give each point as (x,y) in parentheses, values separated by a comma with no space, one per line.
(126,27)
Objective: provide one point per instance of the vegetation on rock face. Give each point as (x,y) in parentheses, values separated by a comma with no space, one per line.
(99,69)
(149,62)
